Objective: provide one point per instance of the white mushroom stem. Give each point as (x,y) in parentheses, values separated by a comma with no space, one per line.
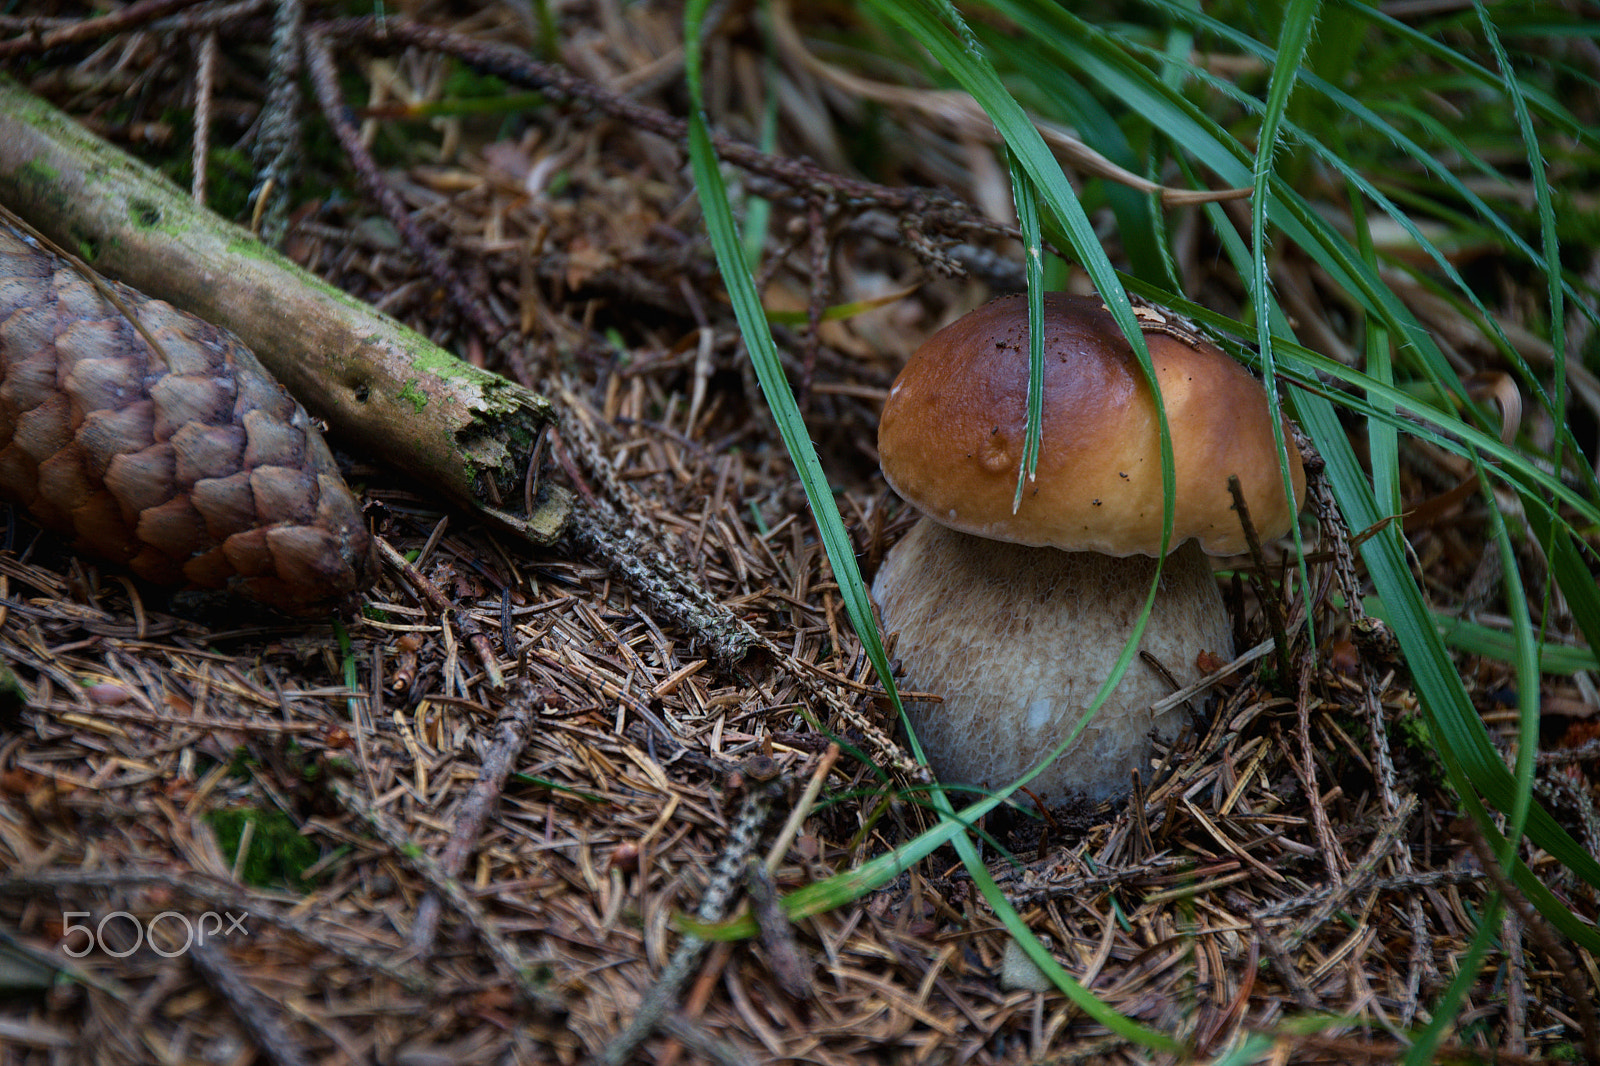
(1019,639)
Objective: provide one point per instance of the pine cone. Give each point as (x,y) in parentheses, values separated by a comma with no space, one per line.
(187,464)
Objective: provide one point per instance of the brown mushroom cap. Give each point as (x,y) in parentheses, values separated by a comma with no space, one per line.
(950,439)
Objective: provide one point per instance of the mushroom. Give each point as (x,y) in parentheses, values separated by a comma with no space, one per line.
(1015,618)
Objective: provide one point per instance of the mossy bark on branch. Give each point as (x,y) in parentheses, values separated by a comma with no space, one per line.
(381,387)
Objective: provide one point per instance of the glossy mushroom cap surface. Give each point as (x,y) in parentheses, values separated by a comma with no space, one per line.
(952,432)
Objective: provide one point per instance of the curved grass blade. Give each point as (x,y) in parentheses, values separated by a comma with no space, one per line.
(753,326)
(1475,638)
(1299,19)
(1086,46)
(1027,202)
(960,57)
(1472,763)
(769,369)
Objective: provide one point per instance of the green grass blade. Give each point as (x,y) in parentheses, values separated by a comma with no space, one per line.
(819,897)
(1083,44)
(1081,997)
(1425,1047)
(1471,761)
(764,358)
(1027,202)
(1560,119)
(958,55)
(1526,663)
(1299,19)
(1474,638)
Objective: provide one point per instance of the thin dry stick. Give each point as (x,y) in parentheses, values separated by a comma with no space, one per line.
(744,837)
(931,210)
(134,14)
(695,1037)
(511,734)
(257,1015)
(802,810)
(205,79)
(816,302)
(506,960)
(1258,577)
(325,81)
(278,131)
(1332,857)
(1545,938)
(1589,749)
(1516,984)
(436,599)
(1336,534)
(1362,874)
(1285,965)
(616,531)
(699,994)
(788,963)
(1189,692)
(209,18)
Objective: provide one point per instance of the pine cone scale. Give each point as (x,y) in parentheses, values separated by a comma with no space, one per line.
(186,462)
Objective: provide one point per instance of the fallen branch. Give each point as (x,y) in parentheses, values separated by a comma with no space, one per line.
(744,838)
(468,433)
(511,734)
(258,1015)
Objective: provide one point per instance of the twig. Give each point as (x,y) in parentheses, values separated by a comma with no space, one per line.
(744,837)
(777,934)
(511,735)
(816,302)
(616,531)
(1516,985)
(506,960)
(1362,874)
(802,810)
(1258,577)
(1285,965)
(1306,767)
(325,82)
(1372,639)
(1589,749)
(256,1013)
(278,138)
(134,14)
(694,1036)
(205,80)
(930,209)
(633,558)
(1184,695)
(436,599)
(1545,938)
